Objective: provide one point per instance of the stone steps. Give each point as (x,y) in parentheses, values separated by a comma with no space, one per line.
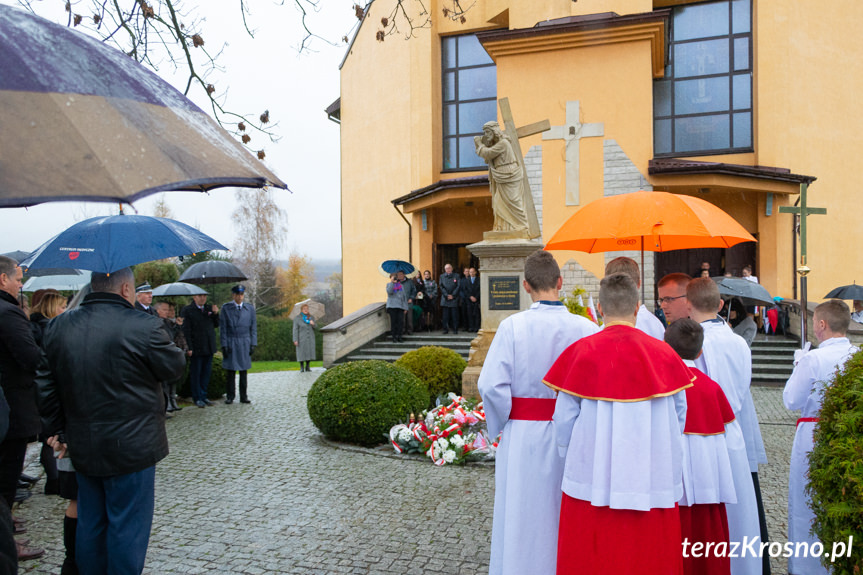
(384,349)
(772,359)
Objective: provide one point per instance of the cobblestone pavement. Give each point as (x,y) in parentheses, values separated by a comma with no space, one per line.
(252,489)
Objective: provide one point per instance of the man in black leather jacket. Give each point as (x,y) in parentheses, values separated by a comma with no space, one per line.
(101,392)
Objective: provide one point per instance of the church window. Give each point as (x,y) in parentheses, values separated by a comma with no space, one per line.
(469,80)
(703,105)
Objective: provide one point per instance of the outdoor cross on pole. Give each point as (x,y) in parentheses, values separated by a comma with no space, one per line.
(802,212)
(514,134)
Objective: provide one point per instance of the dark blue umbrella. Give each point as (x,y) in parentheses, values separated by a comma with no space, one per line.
(392,266)
(852,291)
(109,243)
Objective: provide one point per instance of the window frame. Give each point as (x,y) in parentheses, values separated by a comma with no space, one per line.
(456,102)
(730,111)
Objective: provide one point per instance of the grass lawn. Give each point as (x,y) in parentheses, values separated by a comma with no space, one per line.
(262,366)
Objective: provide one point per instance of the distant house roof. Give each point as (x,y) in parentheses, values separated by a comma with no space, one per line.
(334,111)
(671,166)
(441,185)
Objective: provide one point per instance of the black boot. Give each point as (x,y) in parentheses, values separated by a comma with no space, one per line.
(70,525)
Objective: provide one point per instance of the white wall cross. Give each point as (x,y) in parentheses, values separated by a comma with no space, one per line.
(572,132)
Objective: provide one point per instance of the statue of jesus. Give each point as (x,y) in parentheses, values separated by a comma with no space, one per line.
(505,177)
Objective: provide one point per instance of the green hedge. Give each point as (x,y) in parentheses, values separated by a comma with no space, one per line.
(358,402)
(836,466)
(438,367)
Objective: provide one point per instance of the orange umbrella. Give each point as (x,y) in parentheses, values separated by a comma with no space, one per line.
(649,221)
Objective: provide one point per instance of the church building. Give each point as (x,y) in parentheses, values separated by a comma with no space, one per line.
(737,102)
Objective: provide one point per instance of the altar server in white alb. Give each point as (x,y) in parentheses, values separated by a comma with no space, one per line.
(619,422)
(804,391)
(727,360)
(528,468)
(708,481)
(646,321)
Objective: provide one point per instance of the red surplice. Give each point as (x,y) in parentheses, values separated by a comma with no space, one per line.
(707,413)
(638,375)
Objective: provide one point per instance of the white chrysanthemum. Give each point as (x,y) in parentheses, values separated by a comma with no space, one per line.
(449,455)
(405,434)
(457,440)
(443,443)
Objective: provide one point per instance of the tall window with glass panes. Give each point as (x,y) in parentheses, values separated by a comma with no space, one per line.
(469,80)
(703,105)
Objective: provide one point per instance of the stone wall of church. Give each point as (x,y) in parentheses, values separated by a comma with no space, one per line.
(533,165)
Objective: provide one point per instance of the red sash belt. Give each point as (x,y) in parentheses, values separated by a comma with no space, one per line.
(532,408)
(807,420)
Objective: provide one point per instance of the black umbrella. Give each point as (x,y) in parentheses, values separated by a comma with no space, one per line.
(84,121)
(212,272)
(17,255)
(749,292)
(852,291)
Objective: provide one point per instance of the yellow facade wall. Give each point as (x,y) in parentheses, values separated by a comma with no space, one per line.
(809,75)
(806,78)
(614,86)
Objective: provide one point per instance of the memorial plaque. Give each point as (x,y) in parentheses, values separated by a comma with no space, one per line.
(503,292)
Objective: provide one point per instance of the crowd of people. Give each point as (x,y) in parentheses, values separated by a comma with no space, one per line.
(94,379)
(423,304)
(635,448)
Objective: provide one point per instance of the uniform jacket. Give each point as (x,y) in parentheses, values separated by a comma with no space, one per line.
(101,385)
(304,335)
(238,333)
(199,327)
(449,284)
(148,310)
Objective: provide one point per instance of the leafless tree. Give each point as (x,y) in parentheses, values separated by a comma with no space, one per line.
(261,227)
(174,31)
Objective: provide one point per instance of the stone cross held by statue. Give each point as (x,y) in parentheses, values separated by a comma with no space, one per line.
(571,132)
(514,134)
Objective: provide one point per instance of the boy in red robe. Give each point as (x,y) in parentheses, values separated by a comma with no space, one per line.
(708,482)
(619,422)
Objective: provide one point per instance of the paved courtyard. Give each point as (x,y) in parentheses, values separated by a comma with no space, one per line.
(252,489)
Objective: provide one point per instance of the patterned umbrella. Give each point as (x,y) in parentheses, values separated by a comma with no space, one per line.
(83,121)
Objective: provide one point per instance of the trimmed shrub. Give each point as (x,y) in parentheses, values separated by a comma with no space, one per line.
(438,367)
(218,381)
(358,402)
(836,465)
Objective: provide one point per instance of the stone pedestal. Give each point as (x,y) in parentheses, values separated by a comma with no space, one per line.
(501,267)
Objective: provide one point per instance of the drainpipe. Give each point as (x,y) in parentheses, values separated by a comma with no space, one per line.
(410,234)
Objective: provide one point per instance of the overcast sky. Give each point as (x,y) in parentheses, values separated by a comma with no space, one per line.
(266,72)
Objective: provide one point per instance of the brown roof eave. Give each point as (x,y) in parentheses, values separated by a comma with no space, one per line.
(441,185)
(575,24)
(661,166)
